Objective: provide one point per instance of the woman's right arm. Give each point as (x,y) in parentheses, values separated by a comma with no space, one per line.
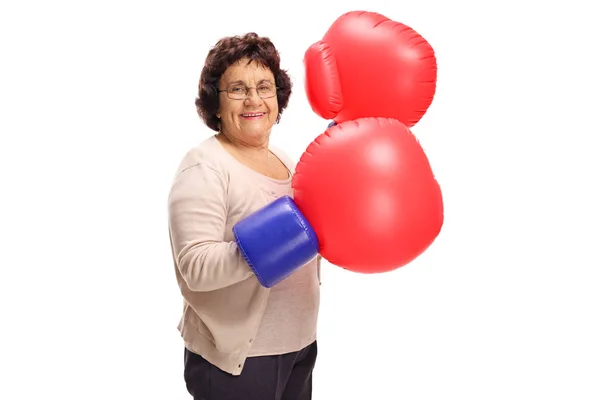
(197,220)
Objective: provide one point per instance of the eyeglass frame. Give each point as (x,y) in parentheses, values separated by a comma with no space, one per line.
(248,91)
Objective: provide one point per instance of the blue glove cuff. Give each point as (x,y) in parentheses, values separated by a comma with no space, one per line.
(276,240)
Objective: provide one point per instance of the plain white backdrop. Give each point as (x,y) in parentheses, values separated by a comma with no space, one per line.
(96,110)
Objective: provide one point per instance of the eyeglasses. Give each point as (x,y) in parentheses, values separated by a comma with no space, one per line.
(240,92)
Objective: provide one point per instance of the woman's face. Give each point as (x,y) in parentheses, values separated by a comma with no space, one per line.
(244,114)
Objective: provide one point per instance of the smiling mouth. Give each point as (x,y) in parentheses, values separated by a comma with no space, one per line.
(253,115)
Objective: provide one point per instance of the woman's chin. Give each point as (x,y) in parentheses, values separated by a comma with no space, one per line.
(257,132)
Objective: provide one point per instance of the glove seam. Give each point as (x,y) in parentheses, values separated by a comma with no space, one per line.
(301,221)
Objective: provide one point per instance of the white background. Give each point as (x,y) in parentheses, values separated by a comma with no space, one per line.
(96,110)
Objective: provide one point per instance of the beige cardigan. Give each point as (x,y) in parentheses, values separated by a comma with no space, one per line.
(223,300)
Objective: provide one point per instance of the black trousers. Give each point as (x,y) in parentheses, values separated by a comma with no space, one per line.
(281,377)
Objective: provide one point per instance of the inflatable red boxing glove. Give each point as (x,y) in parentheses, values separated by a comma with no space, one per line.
(367,189)
(367,65)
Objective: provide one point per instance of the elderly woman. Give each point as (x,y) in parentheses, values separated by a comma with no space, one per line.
(242,340)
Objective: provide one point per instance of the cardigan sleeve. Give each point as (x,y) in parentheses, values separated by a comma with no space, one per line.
(197,210)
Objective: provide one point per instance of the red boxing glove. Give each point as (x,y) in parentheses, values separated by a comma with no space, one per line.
(367,65)
(368,190)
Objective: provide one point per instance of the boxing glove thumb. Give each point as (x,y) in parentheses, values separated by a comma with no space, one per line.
(321,81)
(276,240)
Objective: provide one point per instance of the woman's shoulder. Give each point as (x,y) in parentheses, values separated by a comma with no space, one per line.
(204,154)
(283,156)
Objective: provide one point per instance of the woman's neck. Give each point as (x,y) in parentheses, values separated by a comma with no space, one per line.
(251,151)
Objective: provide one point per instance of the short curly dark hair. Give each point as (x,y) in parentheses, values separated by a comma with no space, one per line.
(226,52)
